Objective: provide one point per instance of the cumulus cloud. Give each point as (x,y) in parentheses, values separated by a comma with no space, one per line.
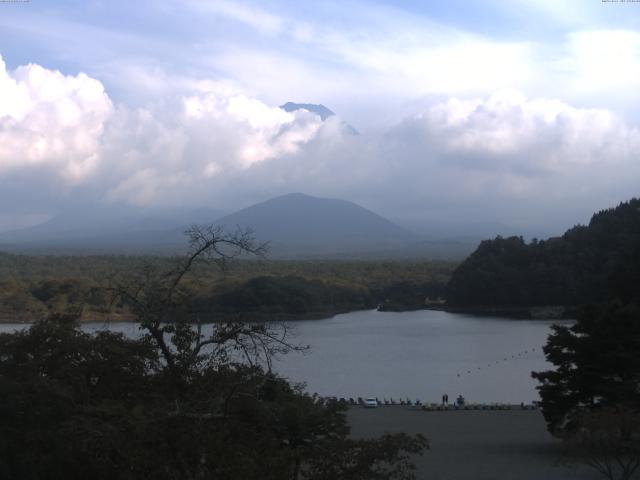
(215,145)
(604,61)
(68,127)
(523,158)
(48,119)
(537,134)
(175,151)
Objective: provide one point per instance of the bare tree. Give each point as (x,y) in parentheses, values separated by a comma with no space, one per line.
(163,305)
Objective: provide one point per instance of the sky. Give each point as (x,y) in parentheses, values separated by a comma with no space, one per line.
(519,113)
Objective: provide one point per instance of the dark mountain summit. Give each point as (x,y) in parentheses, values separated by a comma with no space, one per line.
(318,109)
(320,225)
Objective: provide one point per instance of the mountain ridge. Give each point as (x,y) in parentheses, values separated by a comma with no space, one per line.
(296,226)
(320,224)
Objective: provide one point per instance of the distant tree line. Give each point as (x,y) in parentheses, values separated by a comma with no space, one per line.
(32,287)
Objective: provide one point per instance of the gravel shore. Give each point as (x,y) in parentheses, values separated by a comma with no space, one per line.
(474,445)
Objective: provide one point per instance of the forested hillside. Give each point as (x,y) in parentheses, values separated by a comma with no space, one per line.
(587,264)
(34,286)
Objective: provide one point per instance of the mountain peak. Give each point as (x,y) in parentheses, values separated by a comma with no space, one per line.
(318,109)
(294,195)
(297,197)
(311,224)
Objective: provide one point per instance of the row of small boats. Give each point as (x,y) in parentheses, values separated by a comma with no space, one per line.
(374,402)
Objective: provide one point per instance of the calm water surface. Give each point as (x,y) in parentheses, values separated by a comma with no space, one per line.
(420,354)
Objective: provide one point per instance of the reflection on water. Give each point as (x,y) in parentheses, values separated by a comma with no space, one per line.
(421,354)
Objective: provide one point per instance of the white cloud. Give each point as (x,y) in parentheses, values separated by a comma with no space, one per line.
(517,159)
(382,56)
(365,62)
(173,150)
(67,125)
(266,131)
(250,15)
(48,119)
(396,58)
(539,134)
(604,61)
(214,142)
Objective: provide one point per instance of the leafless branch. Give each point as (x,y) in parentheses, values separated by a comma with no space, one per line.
(156,295)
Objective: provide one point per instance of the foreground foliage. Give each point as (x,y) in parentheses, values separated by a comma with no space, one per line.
(608,441)
(74,405)
(592,399)
(597,366)
(183,401)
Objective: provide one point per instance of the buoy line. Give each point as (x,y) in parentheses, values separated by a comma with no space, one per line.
(508,358)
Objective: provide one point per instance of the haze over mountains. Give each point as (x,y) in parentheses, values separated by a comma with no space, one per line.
(295,225)
(108,229)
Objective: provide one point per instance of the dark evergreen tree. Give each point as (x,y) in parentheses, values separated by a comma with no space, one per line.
(570,270)
(597,366)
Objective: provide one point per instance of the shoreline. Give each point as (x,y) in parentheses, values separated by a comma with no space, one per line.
(528,312)
(98,317)
(507,312)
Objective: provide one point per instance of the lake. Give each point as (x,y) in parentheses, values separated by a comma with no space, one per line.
(421,354)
